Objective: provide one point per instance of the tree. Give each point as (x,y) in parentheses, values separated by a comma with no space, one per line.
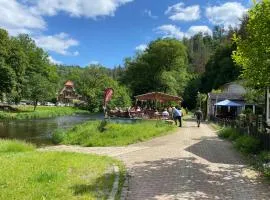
(161,67)
(40,89)
(92,84)
(253,51)
(7,78)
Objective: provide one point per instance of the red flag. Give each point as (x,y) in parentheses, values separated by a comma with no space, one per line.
(108,95)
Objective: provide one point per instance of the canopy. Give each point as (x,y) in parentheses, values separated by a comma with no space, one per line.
(158,96)
(228,103)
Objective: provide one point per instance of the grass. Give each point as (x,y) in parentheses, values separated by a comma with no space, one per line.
(27,112)
(28,174)
(250,147)
(100,133)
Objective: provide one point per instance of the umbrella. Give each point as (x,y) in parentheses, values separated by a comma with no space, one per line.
(228,103)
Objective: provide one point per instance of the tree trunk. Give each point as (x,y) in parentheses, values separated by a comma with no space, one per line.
(35,104)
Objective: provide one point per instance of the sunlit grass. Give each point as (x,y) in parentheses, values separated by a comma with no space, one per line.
(53,175)
(112,134)
(27,112)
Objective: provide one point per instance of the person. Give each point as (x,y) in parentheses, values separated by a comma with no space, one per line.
(165,114)
(199,116)
(177,115)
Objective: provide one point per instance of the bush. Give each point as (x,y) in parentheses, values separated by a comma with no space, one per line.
(234,135)
(247,144)
(58,136)
(225,133)
(15,146)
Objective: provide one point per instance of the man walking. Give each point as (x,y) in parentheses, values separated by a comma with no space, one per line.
(177,115)
(198,115)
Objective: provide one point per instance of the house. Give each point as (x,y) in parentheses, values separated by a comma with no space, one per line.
(234,92)
(68,94)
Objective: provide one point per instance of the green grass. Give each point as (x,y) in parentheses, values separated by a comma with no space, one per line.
(98,133)
(15,146)
(27,112)
(28,174)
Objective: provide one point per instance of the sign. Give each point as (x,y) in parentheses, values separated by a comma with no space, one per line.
(107,95)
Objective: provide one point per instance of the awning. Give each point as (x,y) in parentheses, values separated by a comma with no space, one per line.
(228,103)
(158,96)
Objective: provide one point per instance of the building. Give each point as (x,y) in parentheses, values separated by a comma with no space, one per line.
(68,94)
(234,92)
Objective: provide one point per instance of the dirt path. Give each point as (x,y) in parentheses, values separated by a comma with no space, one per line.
(190,164)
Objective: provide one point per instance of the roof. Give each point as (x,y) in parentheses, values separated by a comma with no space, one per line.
(223,96)
(159,96)
(228,103)
(69,83)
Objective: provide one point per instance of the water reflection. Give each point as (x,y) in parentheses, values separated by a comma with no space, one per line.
(39,130)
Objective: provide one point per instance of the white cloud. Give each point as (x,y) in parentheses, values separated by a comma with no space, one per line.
(16,18)
(170,30)
(179,12)
(59,43)
(226,14)
(193,30)
(53,61)
(173,31)
(94,62)
(141,47)
(149,14)
(76,53)
(78,8)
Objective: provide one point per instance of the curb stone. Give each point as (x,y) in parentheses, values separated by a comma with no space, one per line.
(115,183)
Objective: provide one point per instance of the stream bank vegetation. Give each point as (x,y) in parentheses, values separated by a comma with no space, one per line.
(103,133)
(26,112)
(29,174)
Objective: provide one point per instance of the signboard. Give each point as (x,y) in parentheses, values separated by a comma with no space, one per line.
(108,93)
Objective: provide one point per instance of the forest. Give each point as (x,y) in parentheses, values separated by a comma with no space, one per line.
(201,63)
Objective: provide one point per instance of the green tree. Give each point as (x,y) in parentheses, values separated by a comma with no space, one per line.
(7,78)
(253,50)
(161,67)
(40,89)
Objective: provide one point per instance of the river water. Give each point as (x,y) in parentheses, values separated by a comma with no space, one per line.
(39,130)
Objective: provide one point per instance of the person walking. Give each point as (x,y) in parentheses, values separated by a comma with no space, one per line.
(199,116)
(177,115)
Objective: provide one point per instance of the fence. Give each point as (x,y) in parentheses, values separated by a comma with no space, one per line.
(253,126)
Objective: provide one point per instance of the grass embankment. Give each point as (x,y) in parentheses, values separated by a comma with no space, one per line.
(101,133)
(27,112)
(250,147)
(28,174)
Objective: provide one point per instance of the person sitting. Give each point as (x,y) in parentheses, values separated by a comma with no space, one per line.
(165,114)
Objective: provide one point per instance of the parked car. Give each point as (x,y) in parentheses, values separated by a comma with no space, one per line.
(60,104)
(49,104)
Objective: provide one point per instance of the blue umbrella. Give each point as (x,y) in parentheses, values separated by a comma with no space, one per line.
(228,103)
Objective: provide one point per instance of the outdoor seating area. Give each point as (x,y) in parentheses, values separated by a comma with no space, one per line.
(154,105)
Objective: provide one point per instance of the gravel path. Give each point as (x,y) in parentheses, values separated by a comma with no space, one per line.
(190,164)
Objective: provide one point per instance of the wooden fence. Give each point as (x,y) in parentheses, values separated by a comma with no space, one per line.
(255,127)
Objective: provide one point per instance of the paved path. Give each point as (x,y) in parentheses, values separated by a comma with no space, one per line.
(190,164)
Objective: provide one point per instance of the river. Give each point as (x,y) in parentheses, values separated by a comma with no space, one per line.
(39,131)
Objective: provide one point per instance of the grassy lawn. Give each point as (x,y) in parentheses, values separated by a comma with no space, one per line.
(99,133)
(28,174)
(26,112)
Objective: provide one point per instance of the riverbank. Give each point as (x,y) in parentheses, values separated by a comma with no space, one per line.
(28,174)
(101,133)
(27,112)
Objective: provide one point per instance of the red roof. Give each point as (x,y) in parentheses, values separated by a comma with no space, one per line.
(69,83)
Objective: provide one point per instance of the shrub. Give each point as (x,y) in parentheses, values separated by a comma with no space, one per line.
(234,135)
(58,136)
(15,146)
(225,133)
(248,144)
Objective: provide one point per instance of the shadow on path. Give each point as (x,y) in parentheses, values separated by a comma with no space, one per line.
(187,179)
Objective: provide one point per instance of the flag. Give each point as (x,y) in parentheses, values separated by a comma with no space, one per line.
(107,95)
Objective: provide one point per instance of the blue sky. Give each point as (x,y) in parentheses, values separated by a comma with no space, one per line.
(106,31)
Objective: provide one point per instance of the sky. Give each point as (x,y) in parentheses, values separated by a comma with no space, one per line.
(83,32)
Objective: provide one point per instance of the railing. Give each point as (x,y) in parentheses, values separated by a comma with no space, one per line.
(255,127)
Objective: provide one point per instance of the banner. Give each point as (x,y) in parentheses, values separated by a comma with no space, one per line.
(107,95)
